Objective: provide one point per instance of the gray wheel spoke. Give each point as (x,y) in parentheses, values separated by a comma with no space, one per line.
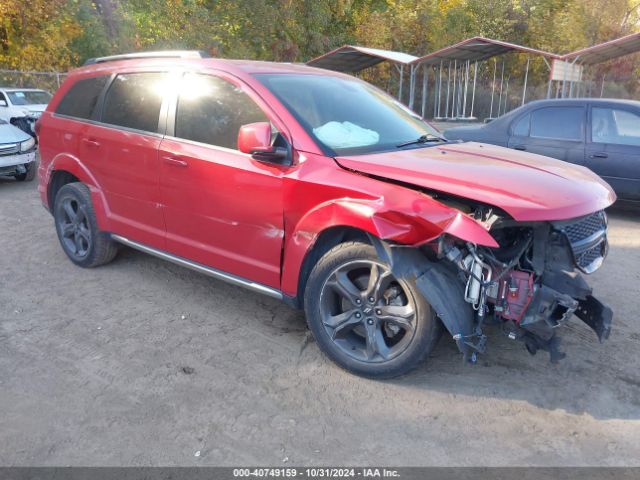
(375,342)
(400,315)
(337,320)
(80,216)
(67,230)
(345,287)
(71,214)
(84,233)
(78,242)
(343,322)
(377,278)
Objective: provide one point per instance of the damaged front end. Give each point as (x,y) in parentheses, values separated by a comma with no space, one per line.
(530,285)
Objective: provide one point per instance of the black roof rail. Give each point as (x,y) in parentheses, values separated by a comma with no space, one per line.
(158,54)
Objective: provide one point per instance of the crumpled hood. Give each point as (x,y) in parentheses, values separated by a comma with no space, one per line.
(528,187)
(11,134)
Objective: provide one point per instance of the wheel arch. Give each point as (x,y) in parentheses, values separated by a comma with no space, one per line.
(325,241)
(66,169)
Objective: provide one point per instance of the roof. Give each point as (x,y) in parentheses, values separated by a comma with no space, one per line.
(230,65)
(606,51)
(477,49)
(350,58)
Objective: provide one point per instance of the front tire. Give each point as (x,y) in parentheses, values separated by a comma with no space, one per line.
(29,175)
(363,318)
(77,228)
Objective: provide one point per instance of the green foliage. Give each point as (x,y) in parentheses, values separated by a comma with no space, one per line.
(59,34)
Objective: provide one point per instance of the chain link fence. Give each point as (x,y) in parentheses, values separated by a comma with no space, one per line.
(49,81)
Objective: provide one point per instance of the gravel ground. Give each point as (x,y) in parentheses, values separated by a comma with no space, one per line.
(142,362)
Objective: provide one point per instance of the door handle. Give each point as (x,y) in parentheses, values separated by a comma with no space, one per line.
(519,147)
(91,142)
(599,155)
(175,161)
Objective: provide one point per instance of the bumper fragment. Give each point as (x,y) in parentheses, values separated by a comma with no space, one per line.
(597,315)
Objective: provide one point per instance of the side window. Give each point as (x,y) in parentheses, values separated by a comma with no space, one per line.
(563,123)
(521,127)
(134,100)
(211,110)
(2,97)
(611,125)
(82,97)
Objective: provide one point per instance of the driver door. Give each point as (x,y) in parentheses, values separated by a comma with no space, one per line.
(222,208)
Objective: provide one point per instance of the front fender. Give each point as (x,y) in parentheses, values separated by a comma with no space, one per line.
(405,217)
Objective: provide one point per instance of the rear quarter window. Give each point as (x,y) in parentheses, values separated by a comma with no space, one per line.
(81,99)
(134,100)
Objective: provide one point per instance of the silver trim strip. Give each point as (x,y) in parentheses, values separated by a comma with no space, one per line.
(212,272)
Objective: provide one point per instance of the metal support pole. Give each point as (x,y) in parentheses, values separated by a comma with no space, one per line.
(425,86)
(506,96)
(455,84)
(493,86)
(412,86)
(602,87)
(459,97)
(401,79)
(466,88)
(446,110)
(526,75)
(473,91)
(436,113)
(501,85)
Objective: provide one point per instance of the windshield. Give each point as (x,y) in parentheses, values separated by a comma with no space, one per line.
(347,116)
(29,97)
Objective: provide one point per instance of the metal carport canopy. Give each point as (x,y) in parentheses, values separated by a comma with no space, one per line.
(605,51)
(477,49)
(350,58)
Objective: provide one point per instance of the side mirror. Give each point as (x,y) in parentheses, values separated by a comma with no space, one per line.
(3,103)
(255,139)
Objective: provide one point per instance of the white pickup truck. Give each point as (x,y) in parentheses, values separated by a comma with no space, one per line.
(26,104)
(17,153)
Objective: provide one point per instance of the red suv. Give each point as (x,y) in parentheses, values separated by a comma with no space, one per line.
(319,189)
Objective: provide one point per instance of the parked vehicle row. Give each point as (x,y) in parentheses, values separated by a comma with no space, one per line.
(601,134)
(22,107)
(318,189)
(17,153)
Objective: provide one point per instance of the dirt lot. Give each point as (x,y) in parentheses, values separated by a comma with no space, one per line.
(92,372)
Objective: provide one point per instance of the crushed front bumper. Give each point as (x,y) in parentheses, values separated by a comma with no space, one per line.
(14,163)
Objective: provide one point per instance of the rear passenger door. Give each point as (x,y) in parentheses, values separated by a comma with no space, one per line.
(222,208)
(613,147)
(122,153)
(556,132)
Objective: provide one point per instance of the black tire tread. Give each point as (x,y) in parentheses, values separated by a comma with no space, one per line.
(311,299)
(103,249)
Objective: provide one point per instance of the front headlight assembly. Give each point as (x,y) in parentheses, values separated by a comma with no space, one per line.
(27,144)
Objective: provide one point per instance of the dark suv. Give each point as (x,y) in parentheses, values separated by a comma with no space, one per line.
(318,189)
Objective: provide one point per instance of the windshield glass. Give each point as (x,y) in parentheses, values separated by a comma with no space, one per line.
(347,116)
(37,97)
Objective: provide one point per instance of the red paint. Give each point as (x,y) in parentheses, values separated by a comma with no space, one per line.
(257,220)
(254,137)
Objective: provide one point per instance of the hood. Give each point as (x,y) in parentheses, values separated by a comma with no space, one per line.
(11,134)
(35,108)
(528,187)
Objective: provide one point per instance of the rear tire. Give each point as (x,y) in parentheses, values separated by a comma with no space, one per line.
(77,229)
(363,318)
